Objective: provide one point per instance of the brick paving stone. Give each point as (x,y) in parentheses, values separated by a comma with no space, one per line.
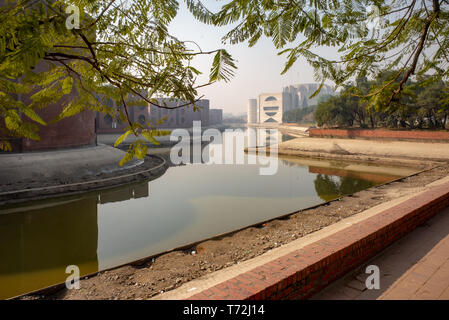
(415,267)
(357,285)
(429,277)
(444,295)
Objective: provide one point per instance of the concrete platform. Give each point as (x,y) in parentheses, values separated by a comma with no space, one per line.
(61,164)
(39,175)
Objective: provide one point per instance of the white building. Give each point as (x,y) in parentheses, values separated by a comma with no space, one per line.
(271,106)
(252,111)
(299,94)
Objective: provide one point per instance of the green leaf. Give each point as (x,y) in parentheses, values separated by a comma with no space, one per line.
(30,113)
(223,67)
(5,146)
(141,150)
(194,70)
(149,136)
(67,85)
(128,155)
(122,138)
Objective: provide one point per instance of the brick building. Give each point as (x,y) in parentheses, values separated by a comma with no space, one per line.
(215,116)
(180,117)
(175,118)
(75,131)
(105,123)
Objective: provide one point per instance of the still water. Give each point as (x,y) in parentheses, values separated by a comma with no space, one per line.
(100,230)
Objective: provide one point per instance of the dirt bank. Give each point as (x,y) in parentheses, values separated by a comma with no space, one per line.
(170,270)
(366,150)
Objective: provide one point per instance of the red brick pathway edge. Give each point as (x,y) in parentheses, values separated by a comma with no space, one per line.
(380,134)
(301,273)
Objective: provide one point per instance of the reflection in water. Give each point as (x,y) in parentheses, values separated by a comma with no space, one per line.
(187,204)
(332,187)
(124,193)
(38,243)
(332,183)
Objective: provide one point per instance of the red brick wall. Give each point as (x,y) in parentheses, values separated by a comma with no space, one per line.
(379,134)
(104,127)
(302,273)
(75,131)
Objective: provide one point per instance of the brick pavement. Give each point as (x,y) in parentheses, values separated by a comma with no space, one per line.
(415,267)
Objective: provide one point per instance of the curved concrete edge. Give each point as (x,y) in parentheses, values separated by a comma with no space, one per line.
(365,158)
(60,164)
(100,176)
(304,266)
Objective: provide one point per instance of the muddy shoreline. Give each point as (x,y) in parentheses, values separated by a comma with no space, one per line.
(148,278)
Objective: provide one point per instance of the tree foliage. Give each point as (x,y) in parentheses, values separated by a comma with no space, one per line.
(329,188)
(421,105)
(298,114)
(409,36)
(121,50)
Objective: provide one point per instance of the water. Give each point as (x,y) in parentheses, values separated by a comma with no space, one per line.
(100,230)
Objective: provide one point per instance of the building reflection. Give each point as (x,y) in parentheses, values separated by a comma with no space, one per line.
(258,137)
(125,193)
(39,241)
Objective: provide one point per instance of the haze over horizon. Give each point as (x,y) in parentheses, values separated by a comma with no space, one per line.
(259,67)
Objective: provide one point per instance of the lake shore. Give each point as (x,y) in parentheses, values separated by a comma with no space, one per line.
(408,153)
(149,278)
(154,277)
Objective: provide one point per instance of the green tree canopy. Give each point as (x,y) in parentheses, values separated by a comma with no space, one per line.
(298,115)
(409,36)
(120,50)
(421,105)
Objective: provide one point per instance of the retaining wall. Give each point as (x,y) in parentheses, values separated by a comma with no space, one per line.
(302,273)
(380,134)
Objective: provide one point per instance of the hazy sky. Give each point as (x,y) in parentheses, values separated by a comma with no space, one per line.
(259,68)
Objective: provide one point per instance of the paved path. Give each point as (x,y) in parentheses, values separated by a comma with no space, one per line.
(415,267)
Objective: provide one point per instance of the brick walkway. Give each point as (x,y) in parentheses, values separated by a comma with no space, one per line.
(415,267)
(303,267)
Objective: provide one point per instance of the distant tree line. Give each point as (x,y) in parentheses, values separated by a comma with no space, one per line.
(234,119)
(421,104)
(297,115)
(305,114)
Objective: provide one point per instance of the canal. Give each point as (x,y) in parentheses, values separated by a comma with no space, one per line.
(189,203)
